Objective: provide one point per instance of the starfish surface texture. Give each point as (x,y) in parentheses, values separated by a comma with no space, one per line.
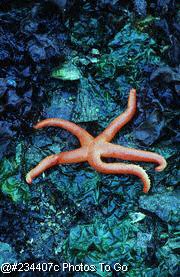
(94,148)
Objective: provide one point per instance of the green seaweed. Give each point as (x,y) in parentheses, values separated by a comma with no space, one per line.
(109,242)
(11,179)
(67,72)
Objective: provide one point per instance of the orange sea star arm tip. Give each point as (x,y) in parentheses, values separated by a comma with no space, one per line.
(28,178)
(37,126)
(161,166)
(133,90)
(146,186)
(146,183)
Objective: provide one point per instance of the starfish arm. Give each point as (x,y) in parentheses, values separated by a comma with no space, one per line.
(74,156)
(120,152)
(122,119)
(120,168)
(83,136)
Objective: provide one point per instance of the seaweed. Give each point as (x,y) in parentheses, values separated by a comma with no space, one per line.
(11,181)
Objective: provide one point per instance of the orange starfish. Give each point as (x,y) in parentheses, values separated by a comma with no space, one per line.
(93,149)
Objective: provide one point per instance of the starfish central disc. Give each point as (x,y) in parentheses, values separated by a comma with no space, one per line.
(93,149)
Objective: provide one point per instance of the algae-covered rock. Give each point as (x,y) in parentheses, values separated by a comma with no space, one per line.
(86,108)
(60,104)
(164,205)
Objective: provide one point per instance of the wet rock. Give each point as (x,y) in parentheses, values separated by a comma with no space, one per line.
(165,5)
(5,84)
(174,52)
(29,26)
(13,100)
(37,52)
(7,134)
(2,87)
(4,54)
(166,95)
(60,105)
(43,47)
(177,88)
(60,3)
(164,205)
(150,129)
(140,7)
(107,3)
(31,40)
(166,73)
(163,26)
(86,108)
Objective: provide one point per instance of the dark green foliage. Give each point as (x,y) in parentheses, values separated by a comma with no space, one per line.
(11,178)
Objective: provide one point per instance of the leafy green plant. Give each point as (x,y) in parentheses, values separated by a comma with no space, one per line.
(11,182)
